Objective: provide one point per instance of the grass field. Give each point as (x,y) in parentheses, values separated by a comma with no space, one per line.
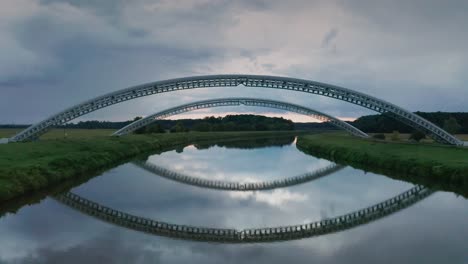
(31,166)
(404,137)
(26,167)
(90,133)
(63,133)
(431,164)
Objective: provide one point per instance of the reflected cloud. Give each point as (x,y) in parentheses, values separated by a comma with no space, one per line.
(52,233)
(276,198)
(248,184)
(263,163)
(250,235)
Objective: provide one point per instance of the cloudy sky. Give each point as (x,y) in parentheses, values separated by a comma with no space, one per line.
(55,53)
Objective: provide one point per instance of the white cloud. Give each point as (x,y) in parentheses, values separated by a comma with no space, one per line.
(70,51)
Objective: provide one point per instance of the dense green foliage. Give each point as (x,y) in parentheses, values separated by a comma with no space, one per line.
(26,167)
(155,128)
(94,124)
(455,122)
(417,136)
(244,123)
(250,143)
(379,136)
(452,122)
(177,128)
(227,123)
(451,125)
(439,166)
(324,126)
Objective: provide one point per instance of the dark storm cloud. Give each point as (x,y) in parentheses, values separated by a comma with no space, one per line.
(90,54)
(63,52)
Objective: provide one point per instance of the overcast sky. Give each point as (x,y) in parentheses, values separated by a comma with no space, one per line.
(57,53)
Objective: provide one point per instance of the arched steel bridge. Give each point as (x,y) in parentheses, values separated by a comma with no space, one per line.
(234,80)
(238,186)
(267,234)
(237,102)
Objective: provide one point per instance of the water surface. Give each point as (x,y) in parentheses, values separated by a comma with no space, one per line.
(433,230)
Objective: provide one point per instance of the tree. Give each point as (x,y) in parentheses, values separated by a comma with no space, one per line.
(155,128)
(379,136)
(179,127)
(141,130)
(395,136)
(202,127)
(451,125)
(261,127)
(229,126)
(417,136)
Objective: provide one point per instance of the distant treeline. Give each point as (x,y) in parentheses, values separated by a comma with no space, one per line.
(97,124)
(452,122)
(314,126)
(227,123)
(381,123)
(13,126)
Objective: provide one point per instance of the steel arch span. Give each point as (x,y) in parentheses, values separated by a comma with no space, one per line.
(238,186)
(251,235)
(237,102)
(233,80)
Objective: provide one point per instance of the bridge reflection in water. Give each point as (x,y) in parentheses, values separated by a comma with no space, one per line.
(267,234)
(238,186)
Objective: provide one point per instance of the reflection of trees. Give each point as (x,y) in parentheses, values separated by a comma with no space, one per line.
(267,234)
(179,149)
(249,143)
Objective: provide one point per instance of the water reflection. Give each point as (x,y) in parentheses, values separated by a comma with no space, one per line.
(430,231)
(238,186)
(265,234)
(255,143)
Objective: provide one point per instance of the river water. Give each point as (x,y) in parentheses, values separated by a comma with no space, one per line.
(432,230)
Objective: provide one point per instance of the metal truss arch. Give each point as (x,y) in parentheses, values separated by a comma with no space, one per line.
(238,186)
(262,81)
(251,235)
(237,102)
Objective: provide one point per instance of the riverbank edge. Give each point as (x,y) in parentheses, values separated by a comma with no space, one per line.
(29,167)
(385,158)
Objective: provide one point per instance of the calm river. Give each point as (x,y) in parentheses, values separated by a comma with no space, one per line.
(431,229)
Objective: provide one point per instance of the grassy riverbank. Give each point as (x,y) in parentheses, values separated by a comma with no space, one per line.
(444,167)
(28,167)
(60,133)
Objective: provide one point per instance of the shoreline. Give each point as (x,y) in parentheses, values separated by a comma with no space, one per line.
(29,167)
(435,166)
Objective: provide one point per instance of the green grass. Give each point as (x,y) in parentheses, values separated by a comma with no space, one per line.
(436,165)
(8,132)
(405,137)
(90,133)
(63,133)
(31,166)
